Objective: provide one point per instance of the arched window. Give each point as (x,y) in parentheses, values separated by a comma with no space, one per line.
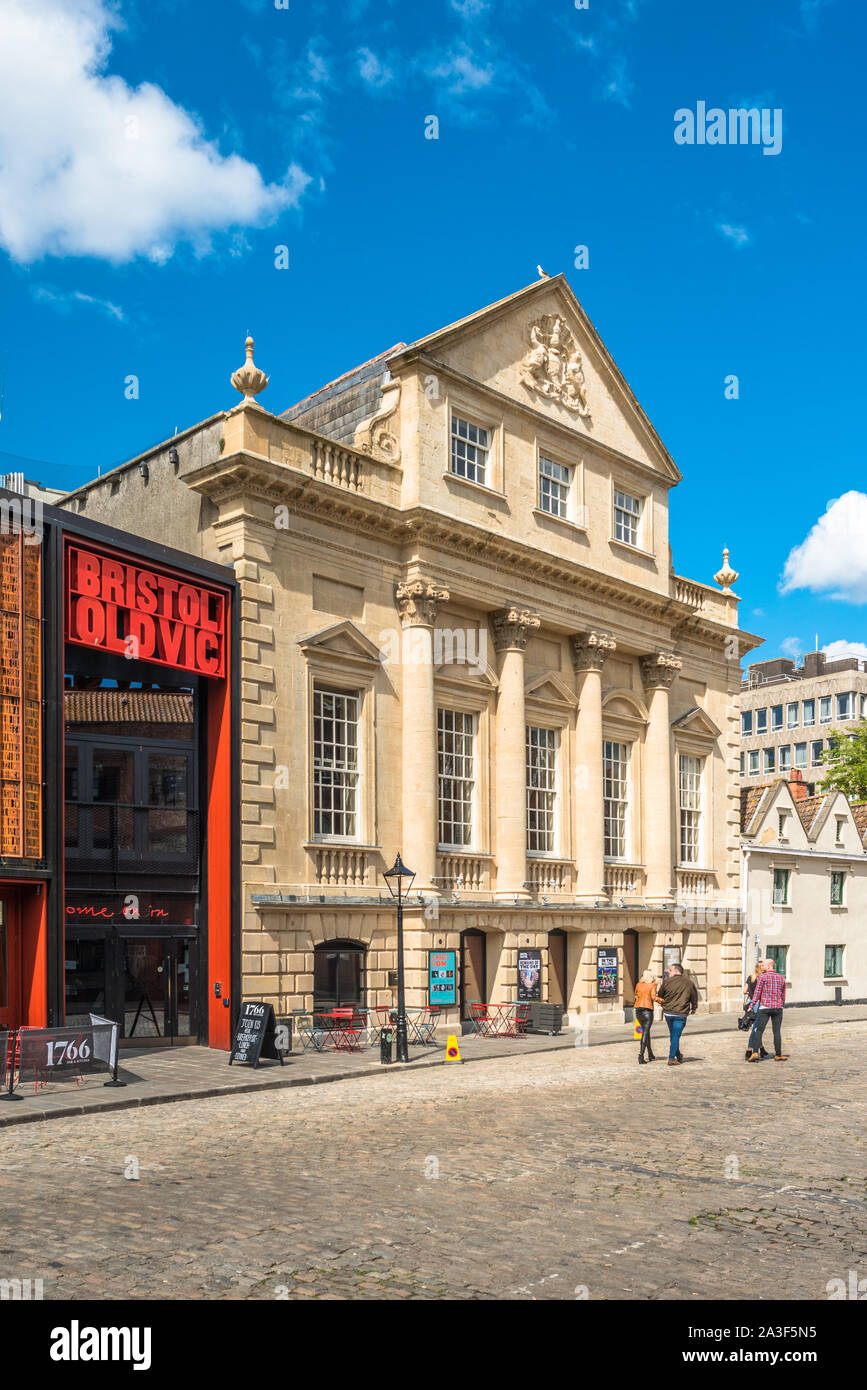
(338,975)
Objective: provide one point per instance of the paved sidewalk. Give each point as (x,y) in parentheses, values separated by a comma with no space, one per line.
(166,1075)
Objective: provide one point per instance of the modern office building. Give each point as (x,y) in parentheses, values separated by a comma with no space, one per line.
(789,712)
(462,638)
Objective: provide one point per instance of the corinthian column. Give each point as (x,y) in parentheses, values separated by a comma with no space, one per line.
(512,627)
(589,650)
(658,671)
(417,601)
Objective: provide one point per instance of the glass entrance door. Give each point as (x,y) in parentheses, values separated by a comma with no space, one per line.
(338,976)
(473,970)
(156,996)
(9,978)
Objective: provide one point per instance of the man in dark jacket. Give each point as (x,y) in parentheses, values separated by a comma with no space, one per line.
(679,997)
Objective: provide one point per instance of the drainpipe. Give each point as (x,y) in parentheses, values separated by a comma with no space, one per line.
(745,898)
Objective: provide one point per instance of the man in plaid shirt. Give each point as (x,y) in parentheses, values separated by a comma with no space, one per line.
(768,1002)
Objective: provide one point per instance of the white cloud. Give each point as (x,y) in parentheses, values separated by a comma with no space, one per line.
(834,651)
(833,558)
(470,9)
(618,86)
(810,11)
(791,646)
(460,73)
(64,302)
(90,166)
(374,71)
(739,236)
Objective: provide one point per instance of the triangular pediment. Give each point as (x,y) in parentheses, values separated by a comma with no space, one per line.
(696,721)
(539,348)
(341,639)
(465,673)
(550,689)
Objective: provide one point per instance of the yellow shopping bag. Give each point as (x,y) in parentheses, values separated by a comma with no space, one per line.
(638,1031)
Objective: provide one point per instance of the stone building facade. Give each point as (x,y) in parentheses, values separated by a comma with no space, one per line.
(463,638)
(804,886)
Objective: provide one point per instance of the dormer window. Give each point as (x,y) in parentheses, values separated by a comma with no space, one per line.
(471,445)
(840,821)
(783,824)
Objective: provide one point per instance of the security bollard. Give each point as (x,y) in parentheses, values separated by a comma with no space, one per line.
(385,1037)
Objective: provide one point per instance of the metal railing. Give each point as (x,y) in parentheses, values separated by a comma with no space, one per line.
(110,836)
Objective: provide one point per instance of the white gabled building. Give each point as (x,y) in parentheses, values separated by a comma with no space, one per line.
(804,886)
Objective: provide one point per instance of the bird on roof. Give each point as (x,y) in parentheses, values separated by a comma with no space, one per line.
(542,274)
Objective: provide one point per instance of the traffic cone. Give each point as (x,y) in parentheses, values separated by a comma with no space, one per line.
(453,1052)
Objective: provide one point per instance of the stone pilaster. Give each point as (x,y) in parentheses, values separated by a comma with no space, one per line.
(657,672)
(417,601)
(589,650)
(512,627)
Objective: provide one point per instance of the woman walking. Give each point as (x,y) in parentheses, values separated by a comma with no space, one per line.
(749,990)
(645,998)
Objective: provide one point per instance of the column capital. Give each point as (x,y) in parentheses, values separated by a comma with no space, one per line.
(589,649)
(512,627)
(659,669)
(417,601)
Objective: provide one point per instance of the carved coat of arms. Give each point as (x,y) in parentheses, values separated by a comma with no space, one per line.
(553,364)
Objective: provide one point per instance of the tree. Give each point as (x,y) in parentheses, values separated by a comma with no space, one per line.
(846,761)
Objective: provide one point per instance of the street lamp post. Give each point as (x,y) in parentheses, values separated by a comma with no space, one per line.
(399,881)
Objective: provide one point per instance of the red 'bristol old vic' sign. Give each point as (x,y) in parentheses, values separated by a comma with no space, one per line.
(144,614)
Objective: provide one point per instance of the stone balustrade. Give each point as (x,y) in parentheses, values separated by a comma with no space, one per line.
(338,466)
(549,875)
(624,881)
(468,873)
(341,867)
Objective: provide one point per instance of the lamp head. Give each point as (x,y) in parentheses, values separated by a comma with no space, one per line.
(398,878)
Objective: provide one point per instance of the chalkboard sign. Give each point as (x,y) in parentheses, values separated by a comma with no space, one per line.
(257,1034)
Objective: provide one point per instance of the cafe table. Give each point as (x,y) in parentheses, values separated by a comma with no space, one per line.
(422,1023)
(500,1020)
(341,1029)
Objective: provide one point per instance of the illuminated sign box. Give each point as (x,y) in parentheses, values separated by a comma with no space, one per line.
(144,613)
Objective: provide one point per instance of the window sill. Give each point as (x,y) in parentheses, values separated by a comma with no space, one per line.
(465,850)
(633,549)
(839,907)
(560,520)
(335,842)
(476,487)
(834,980)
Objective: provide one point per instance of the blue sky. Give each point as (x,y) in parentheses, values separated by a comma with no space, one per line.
(154,154)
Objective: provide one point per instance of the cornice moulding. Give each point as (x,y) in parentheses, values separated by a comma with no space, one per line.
(254,476)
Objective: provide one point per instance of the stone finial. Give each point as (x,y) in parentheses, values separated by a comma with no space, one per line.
(726,577)
(659,670)
(249,379)
(589,650)
(512,627)
(418,600)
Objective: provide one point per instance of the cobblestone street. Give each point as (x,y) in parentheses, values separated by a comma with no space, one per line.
(561,1175)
